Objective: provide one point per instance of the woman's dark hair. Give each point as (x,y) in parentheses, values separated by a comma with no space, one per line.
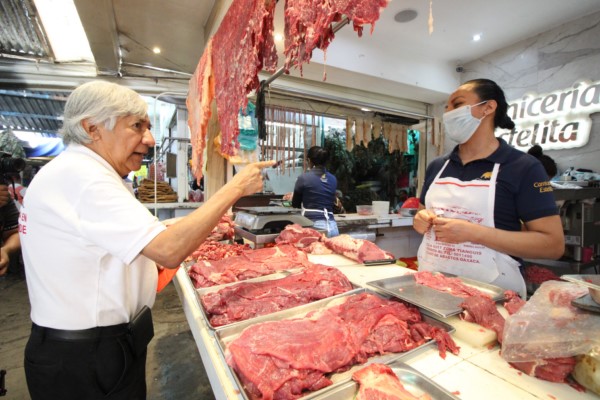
(317,155)
(547,161)
(487,89)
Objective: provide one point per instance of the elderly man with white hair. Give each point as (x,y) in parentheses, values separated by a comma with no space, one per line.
(91,249)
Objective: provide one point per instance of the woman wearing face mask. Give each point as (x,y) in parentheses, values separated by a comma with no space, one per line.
(476,197)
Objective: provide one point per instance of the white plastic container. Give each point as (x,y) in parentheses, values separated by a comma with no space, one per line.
(381,208)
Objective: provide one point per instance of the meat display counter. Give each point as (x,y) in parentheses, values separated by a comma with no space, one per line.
(476,372)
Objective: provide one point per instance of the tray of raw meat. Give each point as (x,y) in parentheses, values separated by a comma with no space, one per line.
(228,304)
(304,351)
(396,380)
(436,292)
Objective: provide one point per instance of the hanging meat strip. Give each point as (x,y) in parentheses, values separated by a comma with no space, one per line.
(244,49)
(349,124)
(403,138)
(376,128)
(199,99)
(308,24)
(359,128)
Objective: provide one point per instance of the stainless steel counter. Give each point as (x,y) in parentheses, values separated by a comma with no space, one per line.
(470,375)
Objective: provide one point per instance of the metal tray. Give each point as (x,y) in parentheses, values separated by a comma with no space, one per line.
(225,335)
(438,303)
(589,281)
(412,380)
(586,303)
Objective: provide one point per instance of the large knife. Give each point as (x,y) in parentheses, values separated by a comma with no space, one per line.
(379,262)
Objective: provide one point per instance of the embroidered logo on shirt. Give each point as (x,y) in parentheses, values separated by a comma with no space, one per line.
(543,186)
(486,176)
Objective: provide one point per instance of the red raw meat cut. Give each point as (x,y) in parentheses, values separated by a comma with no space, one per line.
(356,249)
(214,251)
(251,299)
(250,264)
(224,230)
(483,311)
(550,369)
(379,382)
(199,99)
(285,359)
(513,302)
(317,248)
(538,275)
(450,285)
(308,24)
(243,46)
(298,236)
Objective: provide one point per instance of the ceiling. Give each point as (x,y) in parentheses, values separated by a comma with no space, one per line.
(398,59)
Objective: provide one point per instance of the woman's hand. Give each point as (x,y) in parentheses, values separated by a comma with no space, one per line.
(452,230)
(423,221)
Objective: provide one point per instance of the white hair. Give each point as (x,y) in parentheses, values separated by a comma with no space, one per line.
(101,103)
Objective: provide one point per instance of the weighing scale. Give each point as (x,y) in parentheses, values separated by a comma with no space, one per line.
(261,225)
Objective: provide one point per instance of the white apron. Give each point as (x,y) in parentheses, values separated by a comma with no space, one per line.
(472,201)
(330,225)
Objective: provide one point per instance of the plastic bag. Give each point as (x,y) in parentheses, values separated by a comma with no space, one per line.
(548,326)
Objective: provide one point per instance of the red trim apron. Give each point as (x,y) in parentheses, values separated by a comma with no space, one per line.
(473,201)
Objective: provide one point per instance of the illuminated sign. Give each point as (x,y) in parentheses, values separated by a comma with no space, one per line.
(556,120)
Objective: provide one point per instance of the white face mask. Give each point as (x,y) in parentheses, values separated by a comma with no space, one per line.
(460,124)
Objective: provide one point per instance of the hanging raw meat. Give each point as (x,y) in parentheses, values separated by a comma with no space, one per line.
(359,128)
(243,45)
(199,99)
(308,24)
(349,125)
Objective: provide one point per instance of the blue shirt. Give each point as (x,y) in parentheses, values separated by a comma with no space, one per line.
(315,189)
(523,192)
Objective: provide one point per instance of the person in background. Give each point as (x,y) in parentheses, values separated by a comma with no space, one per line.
(314,192)
(91,250)
(475,197)
(9,223)
(547,161)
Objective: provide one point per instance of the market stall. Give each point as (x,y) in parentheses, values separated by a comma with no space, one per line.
(476,371)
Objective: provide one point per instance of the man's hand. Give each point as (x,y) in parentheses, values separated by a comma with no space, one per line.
(250,179)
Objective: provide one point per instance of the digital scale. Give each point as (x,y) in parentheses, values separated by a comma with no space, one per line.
(262,225)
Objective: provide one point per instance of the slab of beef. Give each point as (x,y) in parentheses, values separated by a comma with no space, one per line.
(482,310)
(356,249)
(243,46)
(200,96)
(285,359)
(550,369)
(378,381)
(298,236)
(538,275)
(251,299)
(513,302)
(450,285)
(308,24)
(214,251)
(224,230)
(250,264)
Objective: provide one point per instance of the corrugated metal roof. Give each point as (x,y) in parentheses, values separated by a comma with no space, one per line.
(22,34)
(32,111)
